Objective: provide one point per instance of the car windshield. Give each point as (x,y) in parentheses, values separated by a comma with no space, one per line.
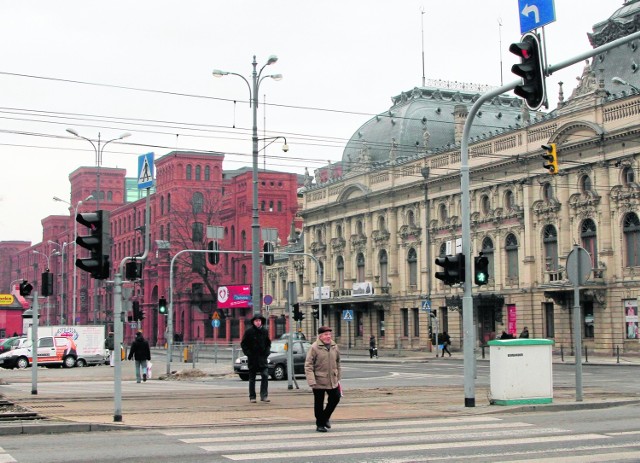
(278,347)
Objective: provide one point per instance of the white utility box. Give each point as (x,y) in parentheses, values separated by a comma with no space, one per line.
(521,371)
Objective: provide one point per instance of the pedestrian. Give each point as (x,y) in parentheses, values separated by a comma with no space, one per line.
(323,372)
(108,344)
(506,335)
(256,345)
(373,350)
(446,341)
(525,333)
(140,352)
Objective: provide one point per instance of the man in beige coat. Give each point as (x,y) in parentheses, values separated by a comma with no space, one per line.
(323,372)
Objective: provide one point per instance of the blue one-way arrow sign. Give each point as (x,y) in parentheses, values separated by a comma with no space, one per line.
(535,13)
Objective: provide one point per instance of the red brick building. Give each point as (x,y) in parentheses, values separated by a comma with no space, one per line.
(192,192)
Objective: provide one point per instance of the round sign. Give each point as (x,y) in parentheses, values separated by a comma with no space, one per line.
(215,323)
(578,266)
(268,299)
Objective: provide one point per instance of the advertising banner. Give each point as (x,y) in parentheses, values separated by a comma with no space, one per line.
(631,318)
(234,297)
(512,318)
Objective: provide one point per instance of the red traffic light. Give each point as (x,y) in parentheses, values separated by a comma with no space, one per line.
(531,70)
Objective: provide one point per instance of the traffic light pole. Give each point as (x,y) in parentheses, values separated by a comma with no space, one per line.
(467,299)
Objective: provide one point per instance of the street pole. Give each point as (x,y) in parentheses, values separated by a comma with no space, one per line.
(62,273)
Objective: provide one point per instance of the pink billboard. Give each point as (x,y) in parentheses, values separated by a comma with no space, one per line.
(234,297)
(512,319)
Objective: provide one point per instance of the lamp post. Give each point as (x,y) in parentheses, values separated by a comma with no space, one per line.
(621,81)
(75,250)
(254,86)
(47,269)
(61,247)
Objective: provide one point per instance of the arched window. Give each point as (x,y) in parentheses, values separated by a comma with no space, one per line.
(631,230)
(547,192)
(243,274)
(359,228)
(411,219)
(585,184)
(207,173)
(198,170)
(383,261)
(233,235)
(488,251)
(279,206)
(243,241)
(382,226)
(161,205)
(588,236)
(511,248)
(263,205)
(340,272)
(442,212)
(508,200)
(168,232)
(550,243)
(318,235)
(485,204)
(628,176)
(197,202)
(109,195)
(339,231)
(412,267)
(443,250)
(168,202)
(360,269)
(188,171)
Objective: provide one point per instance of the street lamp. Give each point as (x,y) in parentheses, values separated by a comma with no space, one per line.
(620,81)
(46,270)
(75,249)
(256,79)
(62,272)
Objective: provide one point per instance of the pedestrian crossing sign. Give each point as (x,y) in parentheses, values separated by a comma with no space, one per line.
(347,315)
(145,171)
(426,305)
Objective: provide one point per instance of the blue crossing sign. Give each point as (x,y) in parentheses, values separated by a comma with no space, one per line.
(347,315)
(535,13)
(426,305)
(145,171)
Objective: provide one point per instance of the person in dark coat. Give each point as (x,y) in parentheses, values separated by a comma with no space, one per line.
(256,345)
(525,333)
(373,350)
(446,342)
(140,352)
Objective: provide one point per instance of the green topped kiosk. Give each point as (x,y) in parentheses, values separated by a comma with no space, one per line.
(521,371)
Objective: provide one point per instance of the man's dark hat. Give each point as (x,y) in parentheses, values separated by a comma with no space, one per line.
(324,329)
(258,316)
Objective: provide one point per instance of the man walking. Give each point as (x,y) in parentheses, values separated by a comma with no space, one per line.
(323,372)
(256,345)
(141,353)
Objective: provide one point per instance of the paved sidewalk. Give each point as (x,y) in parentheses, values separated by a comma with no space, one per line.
(155,403)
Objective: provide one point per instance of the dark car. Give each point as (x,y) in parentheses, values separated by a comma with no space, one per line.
(277,360)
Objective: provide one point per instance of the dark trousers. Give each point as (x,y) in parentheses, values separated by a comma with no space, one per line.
(445,349)
(264,382)
(323,414)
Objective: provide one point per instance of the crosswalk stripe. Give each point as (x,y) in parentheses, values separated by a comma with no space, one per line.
(428,423)
(6,458)
(326,452)
(387,431)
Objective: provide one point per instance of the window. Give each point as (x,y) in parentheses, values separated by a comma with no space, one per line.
(485,204)
(587,312)
(339,231)
(188,171)
(233,235)
(270,206)
(631,230)
(198,170)
(381,323)
(340,272)
(405,322)
(588,236)
(168,232)
(547,192)
(416,322)
(243,274)
(550,243)
(628,176)
(169,202)
(382,226)
(360,267)
(279,206)
(443,213)
(487,250)
(359,228)
(585,184)
(508,200)
(384,270)
(412,263)
(197,202)
(243,241)
(161,205)
(318,235)
(263,205)
(161,232)
(109,195)
(207,173)
(197,232)
(197,262)
(511,248)
(411,219)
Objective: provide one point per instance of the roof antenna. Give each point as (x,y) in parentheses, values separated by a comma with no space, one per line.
(422,33)
(500,47)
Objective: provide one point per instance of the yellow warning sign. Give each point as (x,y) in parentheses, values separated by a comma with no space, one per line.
(6,299)
(216,316)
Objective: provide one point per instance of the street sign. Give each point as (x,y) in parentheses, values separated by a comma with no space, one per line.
(535,13)
(6,299)
(216,316)
(268,299)
(145,171)
(215,323)
(578,266)
(426,305)
(347,315)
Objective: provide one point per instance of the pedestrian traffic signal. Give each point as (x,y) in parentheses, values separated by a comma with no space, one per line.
(433,313)
(454,271)
(316,313)
(481,270)
(137,313)
(531,69)
(162,306)
(47,283)
(25,288)
(551,157)
(297,314)
(214,257)
(133,270)
(98,243)
(268,253)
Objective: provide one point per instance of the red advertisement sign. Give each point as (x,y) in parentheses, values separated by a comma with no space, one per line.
(512,319)
(234,297)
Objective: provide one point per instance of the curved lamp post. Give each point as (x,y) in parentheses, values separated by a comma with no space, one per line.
(47,269)
(75,249)
(620,81)
(254,86)
(61,248)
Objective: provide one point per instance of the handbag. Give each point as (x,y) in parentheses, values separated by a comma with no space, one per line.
(149,365)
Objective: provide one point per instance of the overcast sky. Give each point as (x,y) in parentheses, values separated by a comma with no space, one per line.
(144,67)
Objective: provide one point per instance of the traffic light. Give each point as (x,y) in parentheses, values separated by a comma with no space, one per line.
(481,270)
(135,305)
(531,70)
(551,157)
(98,243)
(454,271)
(316,313)
(25,288)
(434,313)
(133,270)
(162,306)
(47,283)
(268,253)
(214,257)
(297,314)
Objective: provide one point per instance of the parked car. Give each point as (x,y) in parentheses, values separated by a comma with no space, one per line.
(277,360)
(52,350)
(296,335)
(10,343)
